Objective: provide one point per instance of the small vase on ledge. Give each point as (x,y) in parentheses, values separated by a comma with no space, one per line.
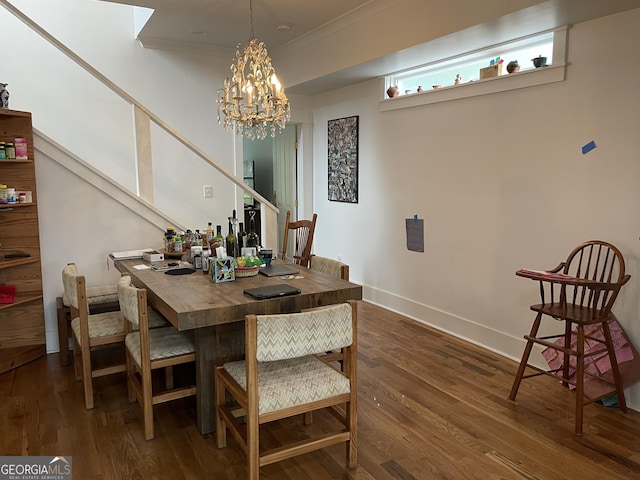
(4,95)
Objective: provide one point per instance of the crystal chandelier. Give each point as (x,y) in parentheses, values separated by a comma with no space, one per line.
(252,100)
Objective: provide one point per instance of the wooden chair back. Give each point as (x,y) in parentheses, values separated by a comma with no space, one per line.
(303,239)
(598,262)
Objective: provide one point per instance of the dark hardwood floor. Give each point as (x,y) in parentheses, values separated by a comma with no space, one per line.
(430,407)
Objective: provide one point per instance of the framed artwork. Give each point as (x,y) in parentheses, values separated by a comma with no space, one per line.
(342,135)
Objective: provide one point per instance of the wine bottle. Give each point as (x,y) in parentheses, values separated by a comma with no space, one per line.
(252,236)
(218,240)
(242,237)
(231,241)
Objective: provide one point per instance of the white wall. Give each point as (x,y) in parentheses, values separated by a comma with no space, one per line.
(500,182)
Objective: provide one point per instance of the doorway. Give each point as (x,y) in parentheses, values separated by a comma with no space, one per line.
(273,162)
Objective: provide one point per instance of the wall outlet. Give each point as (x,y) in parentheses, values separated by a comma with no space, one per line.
(207,191)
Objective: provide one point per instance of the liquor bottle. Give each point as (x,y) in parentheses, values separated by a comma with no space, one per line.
(231,241)
(252,236)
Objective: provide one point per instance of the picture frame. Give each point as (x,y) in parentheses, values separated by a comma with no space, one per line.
(342,159)
(222,269)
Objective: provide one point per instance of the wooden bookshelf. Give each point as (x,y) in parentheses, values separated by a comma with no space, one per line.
(22,328)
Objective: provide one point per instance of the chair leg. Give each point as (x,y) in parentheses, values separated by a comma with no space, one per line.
(525,358)
(566,358)
(77,367)
(63,331)
(147,405)
(131,376)
(87,378)
(221,427)
(253,444)
(168,377)
(352,444)
(579,380)
(622,403)
(308,418)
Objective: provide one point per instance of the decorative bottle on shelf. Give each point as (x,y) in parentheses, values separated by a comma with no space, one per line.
(231,241)
(252,236)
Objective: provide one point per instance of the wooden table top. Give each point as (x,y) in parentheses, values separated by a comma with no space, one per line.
(193,301)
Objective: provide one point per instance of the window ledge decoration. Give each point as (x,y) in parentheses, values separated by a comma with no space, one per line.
(539,76)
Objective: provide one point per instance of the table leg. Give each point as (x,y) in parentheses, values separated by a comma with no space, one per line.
(214,346)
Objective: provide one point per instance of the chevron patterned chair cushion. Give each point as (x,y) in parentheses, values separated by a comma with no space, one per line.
(100,325)
(290,382)
(300,334)
(112,323)
(163,343)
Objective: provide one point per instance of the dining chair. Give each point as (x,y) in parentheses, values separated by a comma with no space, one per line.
(90,332)
(94,331)
(579,293)
(336,269)
(282,377)
(329,266)
(303,239)
(148,350)
(100,298)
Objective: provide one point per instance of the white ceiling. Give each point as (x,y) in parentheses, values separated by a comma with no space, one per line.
(221,25)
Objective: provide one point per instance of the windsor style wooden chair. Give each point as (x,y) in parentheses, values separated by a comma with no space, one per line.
(303,239)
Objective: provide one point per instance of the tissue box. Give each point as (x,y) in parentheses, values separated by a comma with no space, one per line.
(153,256)
(222,269)
(491,71)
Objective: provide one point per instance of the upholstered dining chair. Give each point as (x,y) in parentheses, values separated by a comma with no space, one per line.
(92,331)
(329,266)
(579,293)
(148,350)
(336,269)
(282,377)
(100,298)
(303,239)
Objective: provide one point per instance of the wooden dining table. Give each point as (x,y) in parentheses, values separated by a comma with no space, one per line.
(215,313)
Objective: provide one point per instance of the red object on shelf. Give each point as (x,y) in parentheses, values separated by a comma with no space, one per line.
(7,293)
